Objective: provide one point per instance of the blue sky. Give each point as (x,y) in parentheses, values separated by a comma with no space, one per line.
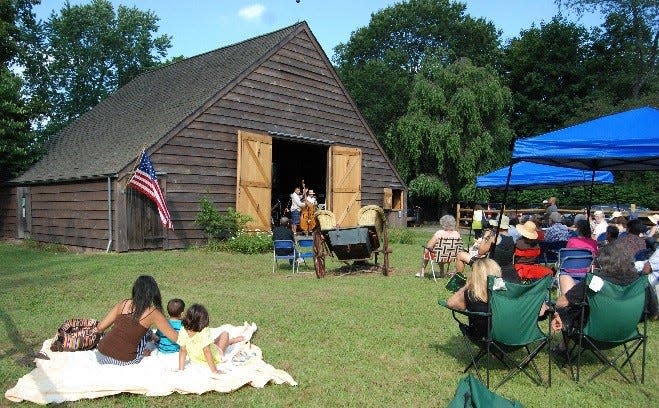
(198,26)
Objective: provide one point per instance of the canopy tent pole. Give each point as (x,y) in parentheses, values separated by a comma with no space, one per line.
(503,201)
(590,196)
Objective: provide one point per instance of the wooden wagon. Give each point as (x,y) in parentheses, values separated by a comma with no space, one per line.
(358,243)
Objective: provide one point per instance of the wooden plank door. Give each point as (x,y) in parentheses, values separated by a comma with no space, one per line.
(345,184)
(254,178)
(144,229)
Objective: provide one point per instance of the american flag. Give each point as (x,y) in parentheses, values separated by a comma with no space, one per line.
(145,181)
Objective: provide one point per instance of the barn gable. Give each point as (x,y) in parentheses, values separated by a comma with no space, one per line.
(189,115)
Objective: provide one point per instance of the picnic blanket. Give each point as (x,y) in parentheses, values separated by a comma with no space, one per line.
(71,376)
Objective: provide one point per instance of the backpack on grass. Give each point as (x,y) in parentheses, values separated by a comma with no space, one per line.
(76,334)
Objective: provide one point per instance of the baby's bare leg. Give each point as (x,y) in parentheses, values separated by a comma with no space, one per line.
(222,342)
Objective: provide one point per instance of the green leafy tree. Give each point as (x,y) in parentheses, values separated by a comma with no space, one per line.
(628,44)
(547,70)
(455,127)
(379,62)
(17,147)
(85,52)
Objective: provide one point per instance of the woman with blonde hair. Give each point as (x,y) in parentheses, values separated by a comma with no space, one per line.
(473,295)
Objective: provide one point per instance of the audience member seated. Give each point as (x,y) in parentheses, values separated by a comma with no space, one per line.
(503,252)
(615,266)
(651,233)
(473,295)
(447,225)
(573,227)
(620,223)
(512,229)
(283,232)
(633,241)
(651,266)
(611,234)
(557,231)
(583,239)
(527,253)
(598,225)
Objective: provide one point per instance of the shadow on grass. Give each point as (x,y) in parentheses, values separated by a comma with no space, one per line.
(22,350)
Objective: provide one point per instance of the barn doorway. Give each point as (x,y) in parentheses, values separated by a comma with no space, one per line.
(292,162)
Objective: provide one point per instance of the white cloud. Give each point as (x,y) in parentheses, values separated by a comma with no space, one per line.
(253,12)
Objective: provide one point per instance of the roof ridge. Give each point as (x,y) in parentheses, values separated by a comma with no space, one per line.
(159,67)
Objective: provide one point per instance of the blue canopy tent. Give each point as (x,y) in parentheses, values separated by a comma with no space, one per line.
(525,175)
(623,141)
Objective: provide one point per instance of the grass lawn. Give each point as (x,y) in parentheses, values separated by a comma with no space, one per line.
(358,340)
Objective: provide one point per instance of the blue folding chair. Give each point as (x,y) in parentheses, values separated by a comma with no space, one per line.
(574,262)
(305,249)
(286,249)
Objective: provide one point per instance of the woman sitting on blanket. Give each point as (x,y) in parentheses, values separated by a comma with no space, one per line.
(131,320)
(197,341)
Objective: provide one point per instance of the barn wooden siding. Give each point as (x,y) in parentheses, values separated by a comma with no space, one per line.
(293,92)
(70,213)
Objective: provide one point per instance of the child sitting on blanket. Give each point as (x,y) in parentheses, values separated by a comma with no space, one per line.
(175,308)
(196,341)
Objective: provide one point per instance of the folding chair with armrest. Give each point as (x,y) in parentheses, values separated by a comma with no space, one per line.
(512,326)
(446,251)
(575,262)
(305,249)
(613,316)
(284,246)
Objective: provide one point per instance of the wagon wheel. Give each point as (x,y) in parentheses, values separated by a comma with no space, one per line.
(319,253)
(386,251)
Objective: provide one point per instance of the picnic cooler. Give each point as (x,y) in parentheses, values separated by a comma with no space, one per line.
(326,219)
(350,243)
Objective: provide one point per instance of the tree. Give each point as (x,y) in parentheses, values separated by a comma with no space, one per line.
(455,127)
(629,43)
(379,62)
(547,70)
(17,150)
(85,52)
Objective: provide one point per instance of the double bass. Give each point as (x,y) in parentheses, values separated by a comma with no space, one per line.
(307,217)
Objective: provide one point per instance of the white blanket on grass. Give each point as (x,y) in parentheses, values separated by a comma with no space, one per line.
(71,376)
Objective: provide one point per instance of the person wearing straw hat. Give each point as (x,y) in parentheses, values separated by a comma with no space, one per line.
(527,253)
(503,254)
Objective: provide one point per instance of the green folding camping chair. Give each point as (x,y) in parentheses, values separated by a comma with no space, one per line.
(512,329)
(608,321)
(472,393)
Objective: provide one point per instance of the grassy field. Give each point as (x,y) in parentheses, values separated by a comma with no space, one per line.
(357,340)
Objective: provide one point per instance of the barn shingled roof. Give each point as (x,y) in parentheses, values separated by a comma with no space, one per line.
(107,138)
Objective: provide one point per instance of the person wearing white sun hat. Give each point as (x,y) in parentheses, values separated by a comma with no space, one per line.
(598,225)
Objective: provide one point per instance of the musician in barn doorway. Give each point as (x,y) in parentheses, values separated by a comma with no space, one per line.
(296,207)
(307,214)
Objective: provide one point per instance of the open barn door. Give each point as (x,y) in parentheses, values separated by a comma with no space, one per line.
(345,183)
(254,178)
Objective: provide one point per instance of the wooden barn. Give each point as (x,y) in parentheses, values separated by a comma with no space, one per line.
(241,125)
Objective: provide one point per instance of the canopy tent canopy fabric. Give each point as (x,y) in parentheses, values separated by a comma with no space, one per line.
(525,175)
(623,141)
